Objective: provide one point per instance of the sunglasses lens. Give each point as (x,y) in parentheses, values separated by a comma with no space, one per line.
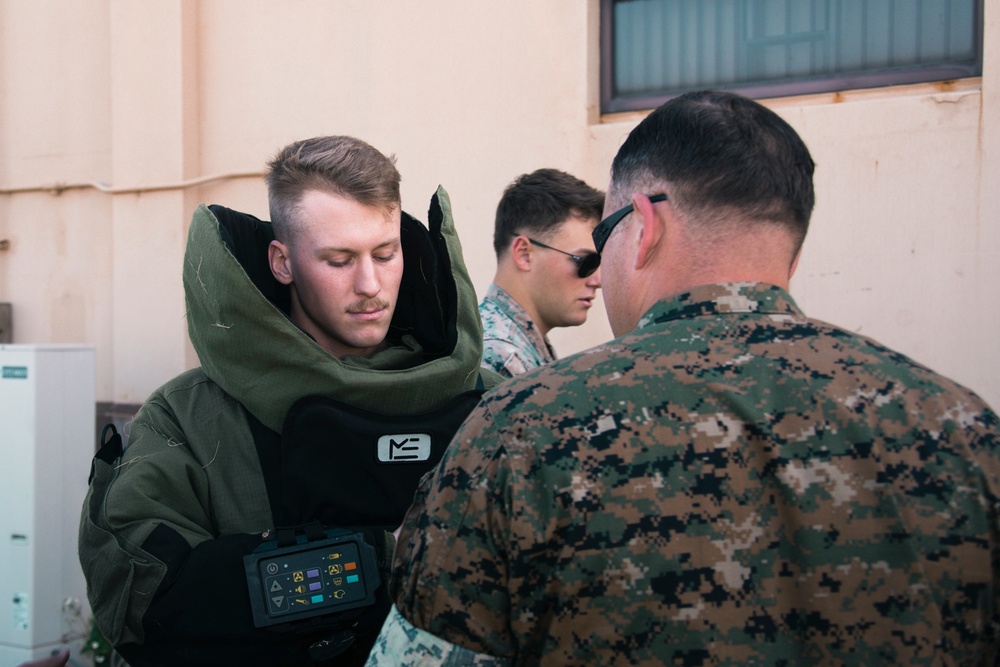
(589,264)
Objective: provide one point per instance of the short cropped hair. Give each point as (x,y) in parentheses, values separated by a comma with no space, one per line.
(340,165)
(538,202)
(722,154)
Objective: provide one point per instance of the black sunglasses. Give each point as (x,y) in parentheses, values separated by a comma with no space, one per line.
(603,230)
(586,265)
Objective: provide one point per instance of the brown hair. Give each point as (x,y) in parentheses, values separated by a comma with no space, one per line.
(537,203)
(340,165)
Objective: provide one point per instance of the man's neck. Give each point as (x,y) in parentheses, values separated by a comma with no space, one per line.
(517,291)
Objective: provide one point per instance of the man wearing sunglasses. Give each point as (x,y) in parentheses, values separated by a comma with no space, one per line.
(728,482)
(547,271)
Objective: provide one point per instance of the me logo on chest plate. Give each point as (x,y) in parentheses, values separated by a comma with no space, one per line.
(404,448)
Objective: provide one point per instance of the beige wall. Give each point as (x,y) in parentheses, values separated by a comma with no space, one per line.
(160,93)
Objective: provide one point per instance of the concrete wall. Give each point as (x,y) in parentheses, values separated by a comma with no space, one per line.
(136,102)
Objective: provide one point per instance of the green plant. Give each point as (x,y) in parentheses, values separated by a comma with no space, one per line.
(94,644)
(101,648)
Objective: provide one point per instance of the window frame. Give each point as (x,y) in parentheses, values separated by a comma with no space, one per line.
(927,74)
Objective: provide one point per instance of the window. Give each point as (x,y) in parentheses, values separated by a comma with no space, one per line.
(656,49)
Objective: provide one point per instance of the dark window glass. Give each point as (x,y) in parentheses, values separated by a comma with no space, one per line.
(655,49)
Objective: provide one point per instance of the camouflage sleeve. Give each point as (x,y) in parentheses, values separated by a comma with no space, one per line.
(450,573)
(400,644)
(502,357)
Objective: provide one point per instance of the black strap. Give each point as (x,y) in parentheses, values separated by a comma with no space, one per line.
(286,536)
(268,444)
(332,646)
(111,450)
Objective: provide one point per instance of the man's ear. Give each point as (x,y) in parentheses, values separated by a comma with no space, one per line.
(795,263)
(651,231)
(520,252)
(280,261)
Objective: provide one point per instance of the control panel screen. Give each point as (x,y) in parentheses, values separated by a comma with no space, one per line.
(311,579)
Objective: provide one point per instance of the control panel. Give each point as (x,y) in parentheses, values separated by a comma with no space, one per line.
(310,579)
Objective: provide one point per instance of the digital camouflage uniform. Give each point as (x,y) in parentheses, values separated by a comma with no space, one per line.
(730,484)
(512,343)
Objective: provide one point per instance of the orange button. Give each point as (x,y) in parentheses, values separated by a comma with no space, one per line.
(350,566)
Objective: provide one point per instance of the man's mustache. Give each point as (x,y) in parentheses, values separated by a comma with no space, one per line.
(368,305)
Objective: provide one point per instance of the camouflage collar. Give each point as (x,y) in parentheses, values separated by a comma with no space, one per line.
(720,299)
(519,323)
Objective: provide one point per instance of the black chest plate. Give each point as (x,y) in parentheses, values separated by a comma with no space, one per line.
(345,466)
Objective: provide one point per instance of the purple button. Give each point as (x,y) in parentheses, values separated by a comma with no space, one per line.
(312,574)
(315,586)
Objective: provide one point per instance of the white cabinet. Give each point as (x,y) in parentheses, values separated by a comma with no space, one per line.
(47,439)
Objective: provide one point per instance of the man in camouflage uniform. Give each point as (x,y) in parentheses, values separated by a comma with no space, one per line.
(547,271)
(728,482)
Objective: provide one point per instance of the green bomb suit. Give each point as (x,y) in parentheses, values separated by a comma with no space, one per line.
(209,466)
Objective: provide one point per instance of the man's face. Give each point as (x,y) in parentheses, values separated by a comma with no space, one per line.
(561,298)
(344,263)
